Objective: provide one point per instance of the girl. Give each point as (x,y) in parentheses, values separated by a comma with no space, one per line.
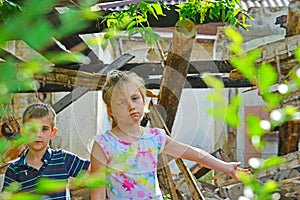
(128,152)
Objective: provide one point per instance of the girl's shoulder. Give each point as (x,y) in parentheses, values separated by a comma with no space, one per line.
(154,131)
(106,138)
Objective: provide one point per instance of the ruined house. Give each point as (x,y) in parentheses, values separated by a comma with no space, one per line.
(76,104)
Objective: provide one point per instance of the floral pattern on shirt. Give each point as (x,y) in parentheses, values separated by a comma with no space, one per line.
(132,166)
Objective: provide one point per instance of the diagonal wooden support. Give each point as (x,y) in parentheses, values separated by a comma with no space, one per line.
(164,172)
(156,120)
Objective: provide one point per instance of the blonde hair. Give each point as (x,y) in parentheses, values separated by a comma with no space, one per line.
(39,110)
(117,78)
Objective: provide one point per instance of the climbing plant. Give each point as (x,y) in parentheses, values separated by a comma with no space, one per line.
(133,19)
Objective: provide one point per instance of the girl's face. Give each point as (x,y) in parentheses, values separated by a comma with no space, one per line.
(127,105)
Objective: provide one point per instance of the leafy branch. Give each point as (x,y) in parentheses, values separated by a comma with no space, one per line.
(134,19)
(227,11)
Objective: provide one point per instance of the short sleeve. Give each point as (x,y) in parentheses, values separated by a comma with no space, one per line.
(161,138)
(75,164)
(10,176)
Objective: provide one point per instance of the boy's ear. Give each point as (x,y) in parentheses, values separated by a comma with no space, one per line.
(53,133)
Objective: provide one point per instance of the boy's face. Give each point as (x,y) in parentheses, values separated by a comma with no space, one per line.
(43,136)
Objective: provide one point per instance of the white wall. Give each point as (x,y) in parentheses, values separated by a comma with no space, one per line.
(77,124)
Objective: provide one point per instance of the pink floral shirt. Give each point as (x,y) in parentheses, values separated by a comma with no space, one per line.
(132,166)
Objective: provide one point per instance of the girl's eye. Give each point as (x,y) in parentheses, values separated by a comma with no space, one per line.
(135,98)
(122,102)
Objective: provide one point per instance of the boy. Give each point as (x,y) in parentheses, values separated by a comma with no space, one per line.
(39,160)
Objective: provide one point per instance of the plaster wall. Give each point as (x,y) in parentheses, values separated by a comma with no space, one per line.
(77,124)
(262,30)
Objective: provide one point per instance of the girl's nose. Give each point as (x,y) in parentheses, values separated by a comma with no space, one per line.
(130,105)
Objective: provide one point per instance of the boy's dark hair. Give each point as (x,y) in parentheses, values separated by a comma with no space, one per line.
(39,110)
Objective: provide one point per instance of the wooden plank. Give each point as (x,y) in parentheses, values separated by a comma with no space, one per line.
(196,67)
(56,81)
(279,50)
(78,92)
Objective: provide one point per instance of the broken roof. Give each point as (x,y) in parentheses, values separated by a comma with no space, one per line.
(118,5)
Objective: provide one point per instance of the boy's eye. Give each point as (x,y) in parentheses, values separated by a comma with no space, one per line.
(45,128)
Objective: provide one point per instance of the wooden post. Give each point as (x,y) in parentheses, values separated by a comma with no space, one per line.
(176,68)
(293,19)
(288,137)
(173,81)
(289,132)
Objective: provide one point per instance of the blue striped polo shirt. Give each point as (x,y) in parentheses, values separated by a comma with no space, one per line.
(58,164)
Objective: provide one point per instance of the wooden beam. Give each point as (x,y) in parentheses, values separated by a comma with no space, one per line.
(173,80)
(67,86)
(279,51)
(150,72)
(196,67)
(78,92)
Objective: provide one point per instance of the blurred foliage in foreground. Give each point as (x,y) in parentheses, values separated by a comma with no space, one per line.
(263,76)
(27,21)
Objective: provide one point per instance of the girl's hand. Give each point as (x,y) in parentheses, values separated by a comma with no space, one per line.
(233,168)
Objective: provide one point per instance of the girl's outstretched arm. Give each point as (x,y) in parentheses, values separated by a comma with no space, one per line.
(187,152)
(98,162)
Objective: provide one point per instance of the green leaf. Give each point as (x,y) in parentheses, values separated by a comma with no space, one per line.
(253,126)
(213,82)
(65,57)
(158,9)
(131,25)
(151,10)
(68,26)
(41,36)
(104,43)
(270,187)
(13,187)
(272,99)
(297,54)
(272,162)
(3,146)
(234,35)
(266,77)
(232,117)
(23,195)
(36,8)
(46,185)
